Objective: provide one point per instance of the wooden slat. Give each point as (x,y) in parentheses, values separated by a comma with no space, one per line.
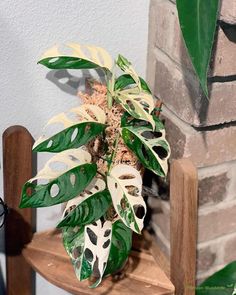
(47,256)
(183,199)
(17,168)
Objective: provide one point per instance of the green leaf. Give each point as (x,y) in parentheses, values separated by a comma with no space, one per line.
(88,207)
(82,57)
(42,195)
(125,186)
(89,122)
(126,80)
(149,146)
(222,282)
(72,137)
(198,24)
(121,243)
(67,62)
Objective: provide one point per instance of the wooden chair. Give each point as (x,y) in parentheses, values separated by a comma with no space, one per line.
(148,271)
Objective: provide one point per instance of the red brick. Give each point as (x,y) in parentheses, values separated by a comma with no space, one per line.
(230,250)
(212,189)
(216,223)
(180,92)
(211,224)
(168,34)
(202,148)
(205,259)
(224,53)
(228,11)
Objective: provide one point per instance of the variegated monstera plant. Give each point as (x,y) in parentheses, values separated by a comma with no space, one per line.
(102,149)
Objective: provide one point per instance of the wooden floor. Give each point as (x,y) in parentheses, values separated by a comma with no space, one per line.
(47,256)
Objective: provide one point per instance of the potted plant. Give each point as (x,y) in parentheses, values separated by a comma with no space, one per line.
(97,169)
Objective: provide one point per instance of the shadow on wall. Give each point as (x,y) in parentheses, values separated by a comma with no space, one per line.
(72,84)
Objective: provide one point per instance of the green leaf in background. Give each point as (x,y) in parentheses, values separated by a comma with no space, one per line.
(198,24)
(149,146)
(59,190)
(126,80)
(72,137)
(89,206)
(222,282)
(121,243)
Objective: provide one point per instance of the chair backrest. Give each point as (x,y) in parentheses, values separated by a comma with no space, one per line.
(17,169)
(17,155)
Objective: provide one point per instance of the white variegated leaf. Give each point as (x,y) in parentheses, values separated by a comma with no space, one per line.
(137,103)
(93,54)
(97,247)
(65,161)
(75,116)
(125,186)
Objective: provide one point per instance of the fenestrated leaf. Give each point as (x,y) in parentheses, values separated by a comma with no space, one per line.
(222,282)
(138,104)
(198,23)
(125,185)
(89,249)
(73,240)
(89,122)
(88,207)
(62,184)
(126,80)
(82,57)
(149,146)
(121,243)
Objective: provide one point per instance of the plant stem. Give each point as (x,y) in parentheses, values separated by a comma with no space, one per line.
(110,86)
(109,95)
(113,155)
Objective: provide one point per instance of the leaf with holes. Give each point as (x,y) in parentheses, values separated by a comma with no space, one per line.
(73,240)
(138,104)
(88,207)
(121,243)
(66,175)
(89,249)
(126,80)
(89,122)
(149,146)
(82,57)
(125,186)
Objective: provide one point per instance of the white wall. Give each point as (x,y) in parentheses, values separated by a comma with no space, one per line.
(27,28)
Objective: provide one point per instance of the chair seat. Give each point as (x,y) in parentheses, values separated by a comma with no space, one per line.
(48,257)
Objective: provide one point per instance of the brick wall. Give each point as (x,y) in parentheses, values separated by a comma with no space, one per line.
(202,130)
